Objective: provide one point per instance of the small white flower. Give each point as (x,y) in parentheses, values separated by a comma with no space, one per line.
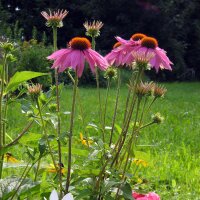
(54,196)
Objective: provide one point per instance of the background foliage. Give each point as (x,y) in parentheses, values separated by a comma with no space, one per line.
(175,23)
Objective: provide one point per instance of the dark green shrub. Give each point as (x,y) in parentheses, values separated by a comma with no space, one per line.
(31,56)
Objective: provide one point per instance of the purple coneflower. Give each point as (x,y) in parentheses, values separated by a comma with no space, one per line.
(148,52)
(119,55)
(54,19)
(75,55)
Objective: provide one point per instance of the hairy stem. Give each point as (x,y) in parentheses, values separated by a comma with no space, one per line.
(71,134)
(2,132)
(46,135)
(116,106)
(58,112)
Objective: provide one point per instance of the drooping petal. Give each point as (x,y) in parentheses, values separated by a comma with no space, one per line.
(121,40)
(68,197)
(99,60)
(57,54)
(80,64)
(160,60)
(54,195)
(90,61)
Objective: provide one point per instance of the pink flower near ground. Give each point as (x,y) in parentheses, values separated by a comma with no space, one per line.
(149,196)
(75,56)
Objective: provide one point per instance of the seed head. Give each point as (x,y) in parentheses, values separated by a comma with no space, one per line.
(54,19)
(159,91)
(144,89)
(93,28)
(34,91)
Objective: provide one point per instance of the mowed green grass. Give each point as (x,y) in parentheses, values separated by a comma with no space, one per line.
(172,148)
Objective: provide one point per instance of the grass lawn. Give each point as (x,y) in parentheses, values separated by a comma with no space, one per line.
(171,149)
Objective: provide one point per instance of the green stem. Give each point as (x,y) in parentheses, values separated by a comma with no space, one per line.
(130,145)
(93,43)
(146,125)
(126,122)
(24,175)
(105,110)
(24,130)
(71,134)
(58,113)
(37,169)
(116,106)
(46,135)
(2,133)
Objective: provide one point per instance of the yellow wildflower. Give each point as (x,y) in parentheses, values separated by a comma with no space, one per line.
(51,168)
(140,162)
(84,141)
(10,159)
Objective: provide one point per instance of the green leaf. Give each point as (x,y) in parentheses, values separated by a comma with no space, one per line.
(84,193)
(127,191)
(20,77)
(108,185)
(30,139)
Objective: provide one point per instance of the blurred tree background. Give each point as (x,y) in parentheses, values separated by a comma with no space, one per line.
(175,23)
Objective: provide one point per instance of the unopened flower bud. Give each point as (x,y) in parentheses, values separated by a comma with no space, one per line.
(35,91)
(7,46)
(110,73)
(52,107)
(11,58)
(30,114)
(157,118)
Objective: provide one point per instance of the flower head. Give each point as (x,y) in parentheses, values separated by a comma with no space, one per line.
(54,196)
(60,167)
(140,162)
(93,28)
(10,158)
(144,89)
(149,196)
(159,91)
(75,55)
(84,141)
(35,91)
(148,52)
(54,19)
(121,49)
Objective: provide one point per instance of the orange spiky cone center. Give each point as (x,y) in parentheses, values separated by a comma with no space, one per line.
(117,44)
(138,36)
(149,42)
(80,43)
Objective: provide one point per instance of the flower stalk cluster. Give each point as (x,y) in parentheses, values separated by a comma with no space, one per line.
(113,151)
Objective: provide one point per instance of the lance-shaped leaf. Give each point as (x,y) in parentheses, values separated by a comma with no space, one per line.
(20,77)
